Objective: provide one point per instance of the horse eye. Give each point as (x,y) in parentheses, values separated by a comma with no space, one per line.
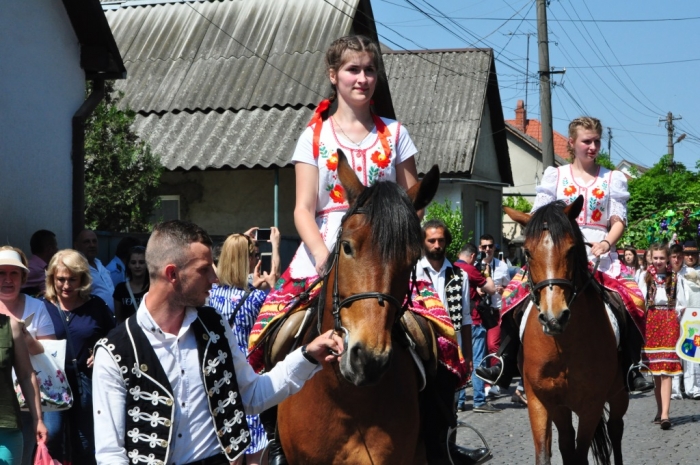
(347,248)
(527,253)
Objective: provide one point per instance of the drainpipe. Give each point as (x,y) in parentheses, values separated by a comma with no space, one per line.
(78,153)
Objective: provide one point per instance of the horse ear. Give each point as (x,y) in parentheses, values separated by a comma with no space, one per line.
(572,210)
(423,192)
(519,217)
(352,185)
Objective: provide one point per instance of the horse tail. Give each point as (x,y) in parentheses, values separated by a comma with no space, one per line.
(601,444)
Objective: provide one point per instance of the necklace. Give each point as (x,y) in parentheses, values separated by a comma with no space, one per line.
(335,123)
(66,313)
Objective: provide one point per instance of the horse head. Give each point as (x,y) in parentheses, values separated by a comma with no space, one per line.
(555,250)
(369,270)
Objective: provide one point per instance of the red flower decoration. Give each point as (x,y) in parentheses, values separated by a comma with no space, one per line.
(332,162)
(596,215)
(337,194)
(381,160)
(570,190)
(598,193)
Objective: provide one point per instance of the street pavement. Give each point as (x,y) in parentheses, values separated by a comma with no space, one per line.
(644,443)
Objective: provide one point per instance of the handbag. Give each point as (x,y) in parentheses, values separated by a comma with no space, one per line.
(42,456)
(489,315)
(55,393)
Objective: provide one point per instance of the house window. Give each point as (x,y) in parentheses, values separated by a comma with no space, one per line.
(169,209)
(479,219)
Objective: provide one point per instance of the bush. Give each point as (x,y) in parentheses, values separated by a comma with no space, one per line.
(453,220)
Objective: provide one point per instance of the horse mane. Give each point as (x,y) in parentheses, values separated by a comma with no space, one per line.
(551,218)
(395,227)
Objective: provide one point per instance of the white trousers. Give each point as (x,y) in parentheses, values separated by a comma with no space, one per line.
(691,380)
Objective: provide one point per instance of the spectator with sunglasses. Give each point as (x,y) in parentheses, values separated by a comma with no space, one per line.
(128,294)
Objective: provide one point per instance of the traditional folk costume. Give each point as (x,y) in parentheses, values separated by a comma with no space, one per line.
(373,160)
(664,303)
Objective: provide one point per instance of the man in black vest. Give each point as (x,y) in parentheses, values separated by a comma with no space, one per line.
(171,385)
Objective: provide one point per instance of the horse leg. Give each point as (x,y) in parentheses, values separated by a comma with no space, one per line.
(541,425)
(562,418)
(592,429)
(619,402)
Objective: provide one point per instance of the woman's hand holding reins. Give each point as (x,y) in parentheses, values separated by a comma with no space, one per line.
(600,248)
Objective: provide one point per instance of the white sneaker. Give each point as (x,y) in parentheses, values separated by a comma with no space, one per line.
(676,397)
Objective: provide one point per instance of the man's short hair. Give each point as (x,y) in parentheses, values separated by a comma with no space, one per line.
(169,243)
(41,241)
(675,249)
(487,237)
(468,249)
(438,224)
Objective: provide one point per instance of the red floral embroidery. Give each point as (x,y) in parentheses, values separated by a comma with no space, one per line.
(570,190)
(332,162)
(381,160)
(598,193)
(596,215)
(337,194)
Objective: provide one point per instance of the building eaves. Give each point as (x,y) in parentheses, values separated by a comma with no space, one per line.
(230,54)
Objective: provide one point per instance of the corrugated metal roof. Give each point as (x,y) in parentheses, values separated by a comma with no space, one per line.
(440,97)
(231,54)
(218,139)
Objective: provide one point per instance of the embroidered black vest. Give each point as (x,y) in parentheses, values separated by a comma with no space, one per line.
(149,400)
(454,280)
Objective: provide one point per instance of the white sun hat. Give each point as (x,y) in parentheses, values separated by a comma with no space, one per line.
(10,257)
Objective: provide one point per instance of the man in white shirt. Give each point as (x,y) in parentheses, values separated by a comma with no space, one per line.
(170,385)
(501,278)
(102,286)
(691,371)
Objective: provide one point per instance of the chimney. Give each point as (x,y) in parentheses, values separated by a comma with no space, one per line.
(520,116)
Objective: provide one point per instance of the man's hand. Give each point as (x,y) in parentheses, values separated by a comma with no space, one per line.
(325,346)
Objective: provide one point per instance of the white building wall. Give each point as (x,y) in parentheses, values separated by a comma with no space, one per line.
(43,85)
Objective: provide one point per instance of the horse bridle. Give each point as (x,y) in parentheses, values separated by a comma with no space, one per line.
(561,282)
(339,304)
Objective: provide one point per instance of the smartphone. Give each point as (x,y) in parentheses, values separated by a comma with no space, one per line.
(500,256)
(262,234)
(266,263)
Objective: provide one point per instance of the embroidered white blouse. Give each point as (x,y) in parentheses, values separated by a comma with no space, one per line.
(194,437)
(606,196)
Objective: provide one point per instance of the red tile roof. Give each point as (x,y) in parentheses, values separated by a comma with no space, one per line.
(533,128)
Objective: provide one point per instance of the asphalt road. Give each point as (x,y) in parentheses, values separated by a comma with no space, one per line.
(644,443)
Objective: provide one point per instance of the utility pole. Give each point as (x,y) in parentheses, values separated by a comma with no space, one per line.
(545,89)
(671,128)
(610,144)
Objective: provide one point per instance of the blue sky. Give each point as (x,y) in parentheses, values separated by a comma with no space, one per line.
(627,62)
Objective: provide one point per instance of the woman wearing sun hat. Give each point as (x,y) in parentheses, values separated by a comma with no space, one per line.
(14,354)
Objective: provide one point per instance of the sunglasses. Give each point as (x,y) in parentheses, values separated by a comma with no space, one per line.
(486,246)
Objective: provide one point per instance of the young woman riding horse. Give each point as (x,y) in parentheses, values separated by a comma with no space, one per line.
(570,362)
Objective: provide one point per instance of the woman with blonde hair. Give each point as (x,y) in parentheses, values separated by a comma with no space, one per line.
(240,304)
(82,319)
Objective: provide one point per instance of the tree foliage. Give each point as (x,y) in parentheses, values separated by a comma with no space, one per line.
(517,202)
(454,221)
(603,159)
(121,172)
(663,203)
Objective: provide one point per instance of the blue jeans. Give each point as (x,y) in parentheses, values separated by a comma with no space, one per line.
(478,354)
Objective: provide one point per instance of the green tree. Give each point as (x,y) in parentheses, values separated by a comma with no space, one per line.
(453,220)
(663,203)
(603,159)
(121,172)
(517,202)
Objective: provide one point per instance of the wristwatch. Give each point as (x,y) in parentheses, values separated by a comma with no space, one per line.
(308,356)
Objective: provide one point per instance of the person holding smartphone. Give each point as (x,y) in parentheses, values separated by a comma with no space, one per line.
(263,273)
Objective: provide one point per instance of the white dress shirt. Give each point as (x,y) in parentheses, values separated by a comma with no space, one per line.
(102,285)
(193,435)
(501,277)
(426,272)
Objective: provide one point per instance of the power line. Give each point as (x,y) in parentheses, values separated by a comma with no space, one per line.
(635,64)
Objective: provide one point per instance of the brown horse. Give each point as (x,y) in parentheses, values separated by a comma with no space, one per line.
(364,409)
(569,356)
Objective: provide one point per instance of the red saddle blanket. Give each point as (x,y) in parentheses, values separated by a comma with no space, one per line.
(424,302)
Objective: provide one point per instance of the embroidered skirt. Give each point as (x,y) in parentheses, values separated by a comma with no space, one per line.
(662,333)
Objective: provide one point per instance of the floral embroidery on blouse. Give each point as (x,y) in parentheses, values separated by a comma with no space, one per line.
(569,190)
(332,162)
(337,194)
(380,159)
(598,200)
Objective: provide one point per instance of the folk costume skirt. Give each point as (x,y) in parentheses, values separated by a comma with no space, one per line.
(662,333)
